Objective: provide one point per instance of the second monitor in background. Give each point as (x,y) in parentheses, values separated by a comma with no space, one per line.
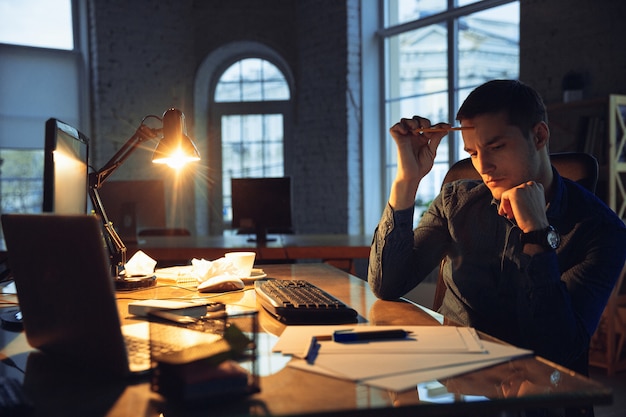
(134,206)
(261,206)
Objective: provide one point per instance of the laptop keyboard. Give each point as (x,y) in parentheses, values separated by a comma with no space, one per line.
(146,342)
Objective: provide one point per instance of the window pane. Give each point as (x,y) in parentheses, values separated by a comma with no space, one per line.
(465,2)
(488,49)
(251,79)
(402,11)
(21,181)
(41,23)
(489,45)
(418,62)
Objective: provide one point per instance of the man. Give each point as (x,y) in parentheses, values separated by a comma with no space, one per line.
(533,256)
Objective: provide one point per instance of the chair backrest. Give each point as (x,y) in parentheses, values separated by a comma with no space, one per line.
(165,232)
(576,166)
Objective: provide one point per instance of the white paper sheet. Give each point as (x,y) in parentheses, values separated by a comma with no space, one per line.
(399,372)
(296,340)
(432,352)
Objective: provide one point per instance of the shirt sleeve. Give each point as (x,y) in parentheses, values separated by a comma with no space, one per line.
(394,267)
(559,305)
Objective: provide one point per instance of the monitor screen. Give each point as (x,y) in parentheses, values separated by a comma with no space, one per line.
(261,206)
(134,206)
(65,176)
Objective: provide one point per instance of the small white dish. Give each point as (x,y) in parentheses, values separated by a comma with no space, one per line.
(256,274)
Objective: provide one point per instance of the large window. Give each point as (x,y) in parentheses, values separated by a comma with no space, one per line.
(41,23)
(41,71)
(251,106)
(436,52)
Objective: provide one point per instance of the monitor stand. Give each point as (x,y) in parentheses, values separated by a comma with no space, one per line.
(261,236)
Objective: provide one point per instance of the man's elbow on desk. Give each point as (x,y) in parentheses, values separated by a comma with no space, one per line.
(385,292)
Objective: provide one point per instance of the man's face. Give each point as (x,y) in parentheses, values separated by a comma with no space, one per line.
(500,153)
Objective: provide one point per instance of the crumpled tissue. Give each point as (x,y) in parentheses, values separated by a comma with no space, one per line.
(139,264)
(200,269)
(204,270)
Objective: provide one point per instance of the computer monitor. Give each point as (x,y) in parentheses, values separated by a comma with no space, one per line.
(65,176)
(134,206)
(261,206)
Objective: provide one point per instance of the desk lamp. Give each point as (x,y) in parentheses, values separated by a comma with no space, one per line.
(175,149)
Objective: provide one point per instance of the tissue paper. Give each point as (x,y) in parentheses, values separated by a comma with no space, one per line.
(203,269)
(140,264)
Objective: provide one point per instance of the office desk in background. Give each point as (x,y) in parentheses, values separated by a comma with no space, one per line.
(288,391)
(337,250)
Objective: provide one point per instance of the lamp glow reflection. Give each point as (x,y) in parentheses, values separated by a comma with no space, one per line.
(174,149)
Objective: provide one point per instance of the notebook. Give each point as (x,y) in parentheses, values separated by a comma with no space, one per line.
(67,298)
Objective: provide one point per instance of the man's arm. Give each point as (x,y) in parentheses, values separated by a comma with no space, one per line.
(416,155)
(559,312)
(391,253)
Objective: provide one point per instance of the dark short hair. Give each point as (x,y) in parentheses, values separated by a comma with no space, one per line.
(523,106)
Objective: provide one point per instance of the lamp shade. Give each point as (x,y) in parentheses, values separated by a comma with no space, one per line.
(175,148)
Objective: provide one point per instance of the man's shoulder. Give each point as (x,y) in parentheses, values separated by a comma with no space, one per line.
(465,188)
(587,204)
(459,194)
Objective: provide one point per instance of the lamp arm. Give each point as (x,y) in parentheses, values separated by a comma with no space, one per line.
(117,249)
(142,134)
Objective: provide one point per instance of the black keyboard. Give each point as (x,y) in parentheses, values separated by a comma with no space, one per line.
(300,302)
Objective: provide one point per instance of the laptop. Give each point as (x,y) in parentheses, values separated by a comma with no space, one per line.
(67,297)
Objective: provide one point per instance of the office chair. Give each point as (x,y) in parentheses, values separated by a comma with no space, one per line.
(576,166)
(165,232)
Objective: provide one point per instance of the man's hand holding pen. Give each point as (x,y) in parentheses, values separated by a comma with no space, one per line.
(417,147)
(416,142)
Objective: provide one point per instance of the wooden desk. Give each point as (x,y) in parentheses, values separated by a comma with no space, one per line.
(288,391)
(338,250)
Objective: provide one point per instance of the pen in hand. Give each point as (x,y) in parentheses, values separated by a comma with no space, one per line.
(440,129)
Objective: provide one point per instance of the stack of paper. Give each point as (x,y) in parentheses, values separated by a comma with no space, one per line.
(431,352)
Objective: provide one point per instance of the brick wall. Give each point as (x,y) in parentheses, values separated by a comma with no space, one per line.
(559,36)
(145,55)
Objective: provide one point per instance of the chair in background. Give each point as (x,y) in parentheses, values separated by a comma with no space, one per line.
(166,231)
(576,166)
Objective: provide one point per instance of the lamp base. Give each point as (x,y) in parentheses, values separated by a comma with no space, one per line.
(134,282)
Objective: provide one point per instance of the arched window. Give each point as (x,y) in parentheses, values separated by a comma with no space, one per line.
(252,133)
(248,90)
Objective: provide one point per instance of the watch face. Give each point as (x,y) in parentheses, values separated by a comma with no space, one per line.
(553,239)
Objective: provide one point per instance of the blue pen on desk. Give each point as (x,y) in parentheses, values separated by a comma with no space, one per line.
(346,336)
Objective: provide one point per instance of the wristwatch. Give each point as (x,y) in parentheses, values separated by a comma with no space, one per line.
(549,238)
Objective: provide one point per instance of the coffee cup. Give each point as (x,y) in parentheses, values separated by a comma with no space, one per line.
(243,261)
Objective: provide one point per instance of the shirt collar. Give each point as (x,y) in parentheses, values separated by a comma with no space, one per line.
(557,204)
